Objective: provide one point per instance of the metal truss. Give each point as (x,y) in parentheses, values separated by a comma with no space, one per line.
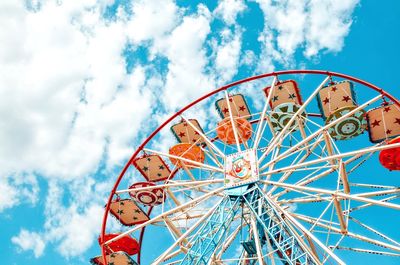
(212,232)
(271,226)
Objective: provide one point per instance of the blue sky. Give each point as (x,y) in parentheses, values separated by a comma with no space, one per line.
(83,83)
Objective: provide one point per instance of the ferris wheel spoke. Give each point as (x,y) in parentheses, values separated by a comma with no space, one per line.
(208,141)
(211,155)
(348,234)
(159,217)
(379,193)
(287,174)
(327,126)
(327,225)
(337,156)
(261,126)
(369,251)
(182,159)
(173,184)
(374,231)
(334,193)
(310,178)
(309,147)
(366,205)
(233,122)
(306,232)
(174,231)
(292,119)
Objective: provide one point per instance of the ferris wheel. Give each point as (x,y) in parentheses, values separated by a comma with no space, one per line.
(290,167)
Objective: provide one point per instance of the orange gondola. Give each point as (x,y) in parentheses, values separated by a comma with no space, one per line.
(187,151)
(225,130)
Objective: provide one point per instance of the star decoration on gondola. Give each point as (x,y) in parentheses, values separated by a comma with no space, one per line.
(275,98)
(242,108)
(388,131)
(397,121)
(292,96)
(386,109)
(161,167)
(280,87)
(333,89)
(225,110)
(145,168)
(346,98)
(182,134)
(326,101)
(376,123)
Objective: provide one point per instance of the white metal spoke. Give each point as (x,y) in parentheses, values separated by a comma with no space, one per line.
(350,234)
(184,235)
(260,127)
(324,159)
(369,251)
(324,128)
(334,193)
(374,231)
(173,184)
(167,213)
(203,166)
(233,122)
(292,119)
(309,234)
(213,146)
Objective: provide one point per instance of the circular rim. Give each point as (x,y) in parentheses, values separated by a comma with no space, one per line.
(172,117)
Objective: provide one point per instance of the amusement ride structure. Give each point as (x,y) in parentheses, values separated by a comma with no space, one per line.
(290,167)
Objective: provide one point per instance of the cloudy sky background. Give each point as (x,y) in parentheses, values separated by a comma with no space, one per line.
(83,82)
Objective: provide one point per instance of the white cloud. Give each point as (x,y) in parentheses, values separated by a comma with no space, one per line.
(186,78)
(74,99)
(72,228)
(329,23)
(152,19)
(228,55)
(312,24)
(229,10)
(17,189)
(29,241)
(249,58)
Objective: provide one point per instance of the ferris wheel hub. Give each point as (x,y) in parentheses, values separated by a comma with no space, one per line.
(241,169)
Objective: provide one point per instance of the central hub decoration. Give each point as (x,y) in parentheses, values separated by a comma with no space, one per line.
(241,169)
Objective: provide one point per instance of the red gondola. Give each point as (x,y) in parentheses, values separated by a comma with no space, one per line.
(390,158)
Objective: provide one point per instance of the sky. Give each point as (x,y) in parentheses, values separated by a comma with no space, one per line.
(83,82)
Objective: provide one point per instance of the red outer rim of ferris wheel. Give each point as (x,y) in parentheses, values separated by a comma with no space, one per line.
(249,79)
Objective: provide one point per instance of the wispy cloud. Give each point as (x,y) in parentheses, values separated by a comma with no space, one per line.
(30,241)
